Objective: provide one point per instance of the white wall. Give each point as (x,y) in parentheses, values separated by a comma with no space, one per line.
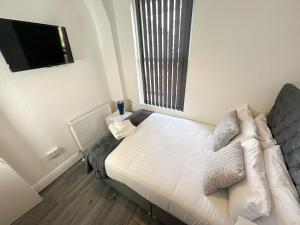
(109,8)
(241,52)
(35,105)
(107,47)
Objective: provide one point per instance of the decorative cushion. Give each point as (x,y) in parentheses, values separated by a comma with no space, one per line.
(264,134)
(138,116)
(227,129)
(223,168)
(250,198)
(284,123)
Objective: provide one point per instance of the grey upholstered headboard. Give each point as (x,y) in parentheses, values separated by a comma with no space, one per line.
(284,122)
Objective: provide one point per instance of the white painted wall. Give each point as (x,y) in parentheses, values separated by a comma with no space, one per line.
(110,12)
(35,105)
(107,47)
(241,52)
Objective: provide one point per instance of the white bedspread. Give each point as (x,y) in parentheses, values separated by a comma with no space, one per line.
(163,161)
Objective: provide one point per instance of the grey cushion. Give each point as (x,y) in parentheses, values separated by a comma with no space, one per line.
(226,130)
(223,168)
(284,123)
(138,116)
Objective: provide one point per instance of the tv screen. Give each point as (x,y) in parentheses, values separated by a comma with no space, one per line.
(26,46)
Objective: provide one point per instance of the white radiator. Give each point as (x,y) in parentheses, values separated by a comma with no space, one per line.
(89,127)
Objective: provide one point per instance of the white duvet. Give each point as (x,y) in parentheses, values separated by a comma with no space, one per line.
(163,162)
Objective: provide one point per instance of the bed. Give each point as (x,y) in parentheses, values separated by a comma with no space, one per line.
(161,164)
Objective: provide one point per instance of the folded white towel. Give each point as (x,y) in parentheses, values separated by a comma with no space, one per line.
(113,130)
(123,125)
(121,129)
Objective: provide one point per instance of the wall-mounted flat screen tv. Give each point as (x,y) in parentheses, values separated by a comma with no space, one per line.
(26,45)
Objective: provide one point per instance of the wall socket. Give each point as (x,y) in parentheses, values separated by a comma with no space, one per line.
(54,152)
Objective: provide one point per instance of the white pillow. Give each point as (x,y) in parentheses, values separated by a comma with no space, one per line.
(264,134)
(250,198)
(248,128)
(286,205)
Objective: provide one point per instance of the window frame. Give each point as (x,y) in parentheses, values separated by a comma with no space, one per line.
(139,68)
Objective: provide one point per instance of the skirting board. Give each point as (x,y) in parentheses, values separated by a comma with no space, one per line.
(53,175)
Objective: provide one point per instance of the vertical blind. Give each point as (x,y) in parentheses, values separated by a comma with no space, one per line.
(163,34)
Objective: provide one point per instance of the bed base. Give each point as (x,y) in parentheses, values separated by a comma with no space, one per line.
(150,208)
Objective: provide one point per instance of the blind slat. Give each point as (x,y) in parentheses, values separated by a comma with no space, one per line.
(169,52)
(186,11)
(143,43)
(165,41)
(175,51)
(149,58)
(159,50)
(176,105)
(154,51)
(164,31)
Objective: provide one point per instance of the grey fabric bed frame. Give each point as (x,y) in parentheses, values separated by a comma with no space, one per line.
(150,208)
(284,122)
(285,114)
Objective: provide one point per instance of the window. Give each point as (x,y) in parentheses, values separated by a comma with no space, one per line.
(163,30)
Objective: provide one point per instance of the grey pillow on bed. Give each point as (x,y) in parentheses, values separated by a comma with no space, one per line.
(223,168)
(139,116)
(226,130)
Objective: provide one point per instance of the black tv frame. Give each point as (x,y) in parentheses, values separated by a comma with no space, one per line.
(69,54)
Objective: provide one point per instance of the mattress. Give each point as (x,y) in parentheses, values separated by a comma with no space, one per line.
(163,162)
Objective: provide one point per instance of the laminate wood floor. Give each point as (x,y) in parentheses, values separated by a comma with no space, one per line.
(77,198)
